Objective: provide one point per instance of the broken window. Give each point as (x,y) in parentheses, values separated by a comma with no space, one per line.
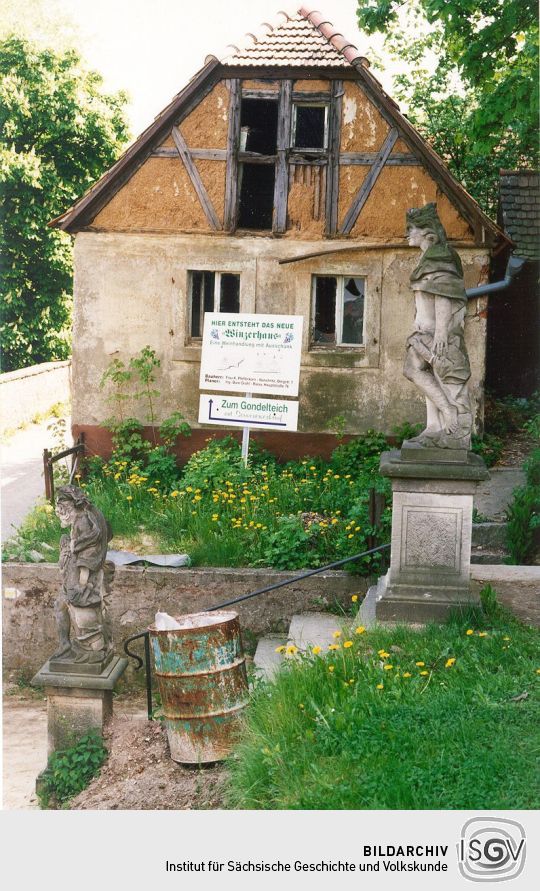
(212,292)
(338,310)
(310,126)
(256,181)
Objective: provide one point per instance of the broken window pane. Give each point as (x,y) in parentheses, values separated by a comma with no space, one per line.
(310,126)
(229,298)
(212,292)
(256,196)
(338,310)
(258,123)
(353,311)
(324,330)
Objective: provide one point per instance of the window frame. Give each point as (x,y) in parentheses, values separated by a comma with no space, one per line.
(340,292)
(305,103)
(197,339)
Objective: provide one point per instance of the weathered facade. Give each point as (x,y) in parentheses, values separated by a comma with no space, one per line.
(276,182)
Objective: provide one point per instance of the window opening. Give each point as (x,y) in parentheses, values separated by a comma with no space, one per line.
(212,292)
(258,125)
(338,315)
(256,203)
(310,126)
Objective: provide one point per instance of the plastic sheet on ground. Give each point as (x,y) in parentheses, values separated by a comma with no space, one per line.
(125,558)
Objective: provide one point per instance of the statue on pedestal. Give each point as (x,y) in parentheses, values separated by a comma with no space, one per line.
(81,606)
(436,359)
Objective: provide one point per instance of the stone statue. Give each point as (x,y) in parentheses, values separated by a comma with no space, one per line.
(81,606)
(436,359)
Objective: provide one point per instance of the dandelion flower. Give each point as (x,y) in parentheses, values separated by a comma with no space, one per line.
(406,674)
(450,662)
(469,631)
(336,634)
(380,686)
(388,667)
(174,494)
(506,638)
(383,654)
(330,668)
(301,705)
(316,650)
(354,598)
(129,497)
(280,649)
(359,630)
(482,634)
(291,650)
(420,664)
(424,673)
(347,644)
(333,646)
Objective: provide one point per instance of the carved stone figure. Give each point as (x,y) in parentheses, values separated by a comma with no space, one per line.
(436,359)
(81,606)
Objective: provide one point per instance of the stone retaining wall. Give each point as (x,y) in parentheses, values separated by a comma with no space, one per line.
(31,391)
(29,590)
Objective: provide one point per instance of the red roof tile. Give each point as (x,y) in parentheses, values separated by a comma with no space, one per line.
(305,39)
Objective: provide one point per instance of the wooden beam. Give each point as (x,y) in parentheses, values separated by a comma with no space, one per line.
(195,178)
(199,154)
(367,158)
(332,170)
(260,94)
(281,189)
(233,145)
(256,158)
(365,189)
(306,96)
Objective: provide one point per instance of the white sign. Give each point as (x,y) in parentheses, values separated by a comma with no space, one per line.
(251,353)
(249,411)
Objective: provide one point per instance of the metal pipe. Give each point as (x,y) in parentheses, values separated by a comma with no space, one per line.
(513,268)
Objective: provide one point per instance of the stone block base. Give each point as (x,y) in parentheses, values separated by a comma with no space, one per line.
(419,606)
(77,704)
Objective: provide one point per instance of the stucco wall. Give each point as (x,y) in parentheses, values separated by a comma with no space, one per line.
(131,290)
(29,591)
(30,391)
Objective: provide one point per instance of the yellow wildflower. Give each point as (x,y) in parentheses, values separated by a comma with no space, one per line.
(354,598)
(482,634)
(280,649)
(420,664)
(330,668)
(333,646)
(423,673)
(384,655)
(347,644)
(291,650)
(506,638)
(380,686)
(359,630)
(301,705)
(406,674)
(450,662)
(316,650)
(469,631)
(129,497)
(174,494)
(336,634)
(388,667)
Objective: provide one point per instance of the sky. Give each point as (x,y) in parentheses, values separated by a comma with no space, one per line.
(152,49)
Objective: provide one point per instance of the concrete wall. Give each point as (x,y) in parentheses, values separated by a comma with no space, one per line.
(31,391)
(29,591)
(132,289)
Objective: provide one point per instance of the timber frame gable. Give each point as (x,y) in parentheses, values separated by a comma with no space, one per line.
(341,66)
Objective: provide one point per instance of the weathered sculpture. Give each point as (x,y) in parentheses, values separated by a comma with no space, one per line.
(436,359)
(81,606)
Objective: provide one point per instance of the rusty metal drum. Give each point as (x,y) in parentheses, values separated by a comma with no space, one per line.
(201,674)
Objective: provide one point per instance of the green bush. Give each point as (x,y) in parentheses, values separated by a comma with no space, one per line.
(523,515)
(489,447)
(287,547)
(69,771)
(359,454)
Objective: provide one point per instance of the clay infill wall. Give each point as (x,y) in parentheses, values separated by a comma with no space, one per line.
(29,591)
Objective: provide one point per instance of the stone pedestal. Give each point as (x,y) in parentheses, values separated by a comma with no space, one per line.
(429,571)
(77,702)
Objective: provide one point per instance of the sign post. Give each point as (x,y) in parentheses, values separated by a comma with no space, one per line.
(250,353)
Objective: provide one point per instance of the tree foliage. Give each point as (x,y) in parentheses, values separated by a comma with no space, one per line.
(479,109)
(60,131)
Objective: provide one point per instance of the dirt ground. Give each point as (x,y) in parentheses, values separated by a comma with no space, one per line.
(140,775)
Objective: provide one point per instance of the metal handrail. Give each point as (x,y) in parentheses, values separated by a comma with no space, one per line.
(210,609)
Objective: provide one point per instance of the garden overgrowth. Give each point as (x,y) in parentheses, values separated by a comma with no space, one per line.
(442,718)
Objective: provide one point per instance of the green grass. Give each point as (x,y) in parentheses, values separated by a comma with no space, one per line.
(324,736)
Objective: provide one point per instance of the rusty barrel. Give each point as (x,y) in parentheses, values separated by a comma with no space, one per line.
(201,673)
